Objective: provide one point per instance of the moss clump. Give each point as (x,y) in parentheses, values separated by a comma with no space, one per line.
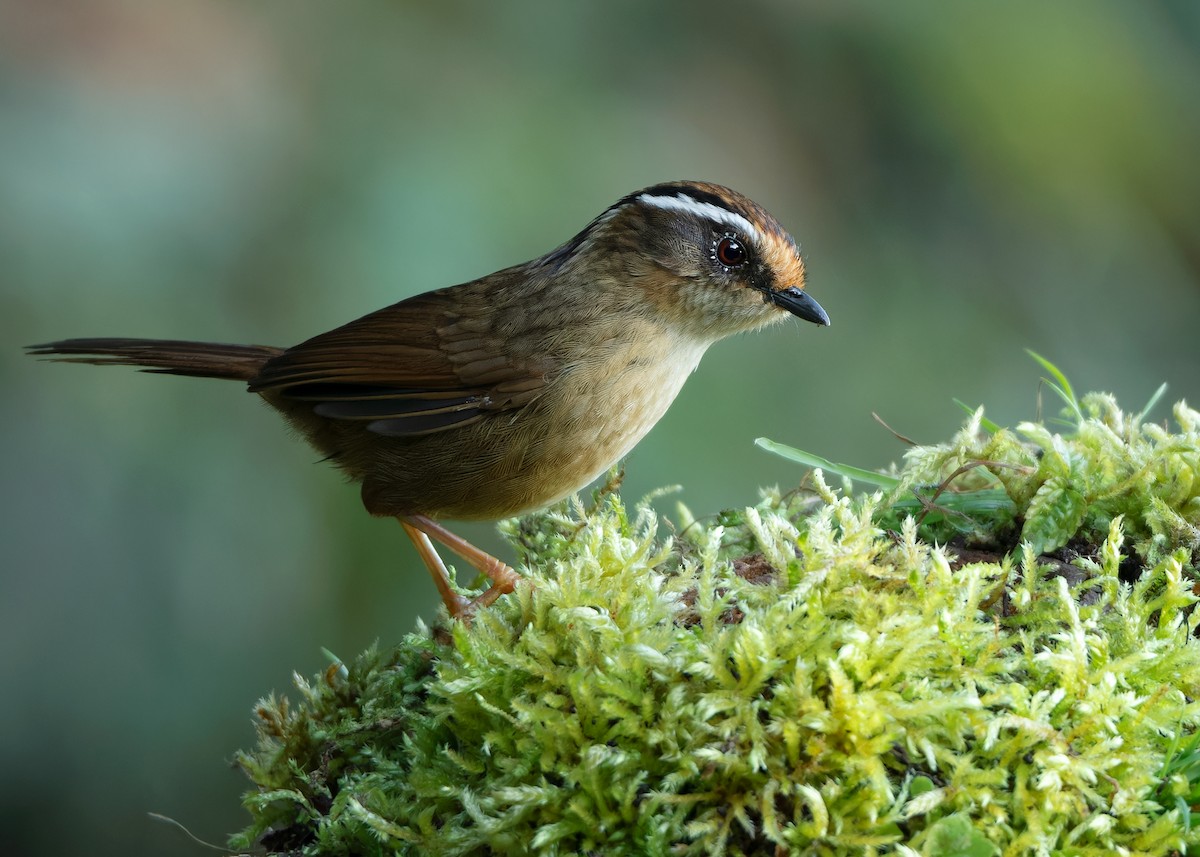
(814,675)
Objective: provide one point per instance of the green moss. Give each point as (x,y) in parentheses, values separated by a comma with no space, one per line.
(814,675)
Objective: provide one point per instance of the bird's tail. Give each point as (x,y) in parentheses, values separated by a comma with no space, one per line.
(167,356)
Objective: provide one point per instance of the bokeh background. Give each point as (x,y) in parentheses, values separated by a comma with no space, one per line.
(968,180)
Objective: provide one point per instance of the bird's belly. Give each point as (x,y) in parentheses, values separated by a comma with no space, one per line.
(599,427)
(514,462)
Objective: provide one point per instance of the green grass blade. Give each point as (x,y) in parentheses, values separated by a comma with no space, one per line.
(1158,394)
(1060,385)
(1053,370)
(846,470)
(981,502)
(987,425)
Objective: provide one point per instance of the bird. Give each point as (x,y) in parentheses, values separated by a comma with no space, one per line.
(499,396)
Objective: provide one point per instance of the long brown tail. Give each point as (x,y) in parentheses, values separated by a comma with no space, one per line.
(168,356)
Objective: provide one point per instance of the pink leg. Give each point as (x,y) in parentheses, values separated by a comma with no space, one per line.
(421,528)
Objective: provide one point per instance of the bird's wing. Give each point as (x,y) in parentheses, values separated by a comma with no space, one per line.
(421,366)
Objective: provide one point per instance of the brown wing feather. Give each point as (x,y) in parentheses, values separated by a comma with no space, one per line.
(414,368)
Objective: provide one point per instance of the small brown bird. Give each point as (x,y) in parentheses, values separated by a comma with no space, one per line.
(505,394)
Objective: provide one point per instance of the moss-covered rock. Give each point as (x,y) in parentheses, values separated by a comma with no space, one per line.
(996,656)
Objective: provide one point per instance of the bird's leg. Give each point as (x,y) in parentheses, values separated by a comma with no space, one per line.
(420,529)
(454,602)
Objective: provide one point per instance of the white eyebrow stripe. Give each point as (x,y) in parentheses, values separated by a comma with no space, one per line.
(683,202)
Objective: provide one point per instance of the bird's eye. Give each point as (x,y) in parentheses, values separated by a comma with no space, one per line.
(730,252)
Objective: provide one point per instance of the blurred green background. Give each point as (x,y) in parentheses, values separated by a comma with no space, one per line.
(967,180)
